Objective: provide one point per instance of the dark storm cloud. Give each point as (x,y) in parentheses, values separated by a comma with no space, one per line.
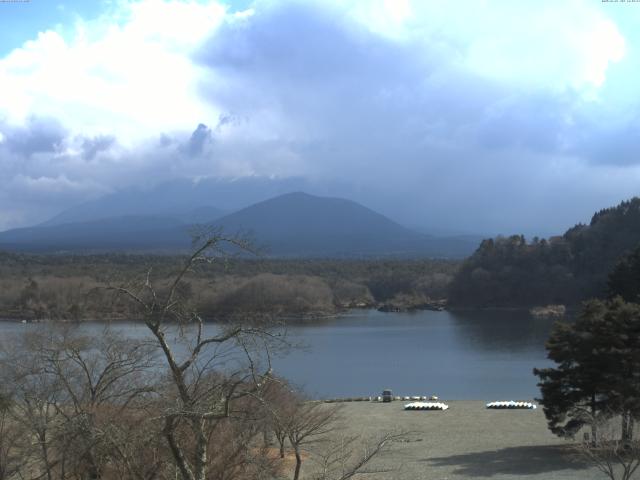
(342,84)
(308,60)
(200,138)
(561,123)
(44,168)
(39,135)
(92,146)
(305,44)
(610,142)
(534,122)
(400,124)
(406,120)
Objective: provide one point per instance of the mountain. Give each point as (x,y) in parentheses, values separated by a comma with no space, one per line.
(510,271)
(294,224)
(298,224)
(203,214)
(177,198)
(129,233)
(161,233)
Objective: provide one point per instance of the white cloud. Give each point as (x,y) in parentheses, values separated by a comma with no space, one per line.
(129,72)
(551,44)
(126,73)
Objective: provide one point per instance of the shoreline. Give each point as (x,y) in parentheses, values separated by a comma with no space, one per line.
(302,317)
(13,316)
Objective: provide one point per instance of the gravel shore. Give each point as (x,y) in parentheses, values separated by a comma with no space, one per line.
(466,441)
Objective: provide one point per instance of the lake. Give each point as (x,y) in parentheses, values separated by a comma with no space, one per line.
(461,355)
(471,355)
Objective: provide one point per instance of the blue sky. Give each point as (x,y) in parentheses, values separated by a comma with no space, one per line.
(21,21)
(481,116)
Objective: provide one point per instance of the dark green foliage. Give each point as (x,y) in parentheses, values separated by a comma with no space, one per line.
(624,280)
(598,367)
(612,232)
(509,271)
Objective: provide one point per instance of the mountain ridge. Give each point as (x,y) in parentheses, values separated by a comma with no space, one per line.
(292,224)
(179,196)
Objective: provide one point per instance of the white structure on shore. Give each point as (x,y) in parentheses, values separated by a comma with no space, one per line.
(426,406)
(511,404)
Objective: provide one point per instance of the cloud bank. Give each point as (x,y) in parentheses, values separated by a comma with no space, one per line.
(519,116)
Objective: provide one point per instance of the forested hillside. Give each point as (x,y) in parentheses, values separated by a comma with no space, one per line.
(511,271)
(72,287)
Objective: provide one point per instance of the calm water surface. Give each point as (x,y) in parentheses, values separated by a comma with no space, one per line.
(455,355)
(470,355)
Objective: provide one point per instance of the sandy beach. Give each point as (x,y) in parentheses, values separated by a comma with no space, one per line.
(466,441)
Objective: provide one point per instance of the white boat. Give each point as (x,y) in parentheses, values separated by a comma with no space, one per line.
(426,406)
(511,405)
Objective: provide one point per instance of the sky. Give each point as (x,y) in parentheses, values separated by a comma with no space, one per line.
(470,117)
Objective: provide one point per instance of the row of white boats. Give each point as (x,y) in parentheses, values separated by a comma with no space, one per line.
(426,406)
(414,397)
(510,404)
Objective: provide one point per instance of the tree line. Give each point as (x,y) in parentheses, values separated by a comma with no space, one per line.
(596,379)
(72,287)
(511,271)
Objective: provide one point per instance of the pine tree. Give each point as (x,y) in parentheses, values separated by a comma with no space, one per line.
(624,280)
(598,369)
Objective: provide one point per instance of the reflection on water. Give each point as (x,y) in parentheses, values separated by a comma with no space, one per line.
(507,331)
(469,355)
(461,355)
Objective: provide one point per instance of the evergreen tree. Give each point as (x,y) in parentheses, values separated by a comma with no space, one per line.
(563,269)
(624,280)
(598,369)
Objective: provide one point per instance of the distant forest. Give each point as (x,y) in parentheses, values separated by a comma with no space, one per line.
(503,272)
(510,271)
(75,287)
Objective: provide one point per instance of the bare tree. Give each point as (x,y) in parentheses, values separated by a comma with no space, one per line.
(208,372)
(94,407)
(280,402)
(12,438)
(345,457)
(100,378)
(34,399)
(618,458)
(135,445)
(306,424)
(312,429)
(189,400)
(69,392)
